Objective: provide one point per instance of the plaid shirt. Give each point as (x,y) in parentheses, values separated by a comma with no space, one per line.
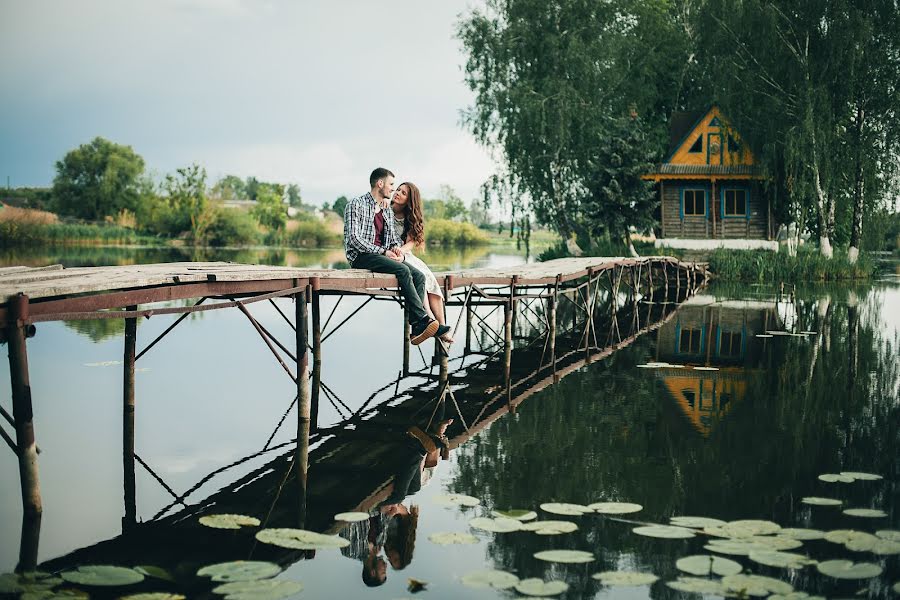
(359,228)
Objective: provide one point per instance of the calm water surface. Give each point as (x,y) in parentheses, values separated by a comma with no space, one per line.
(746,441)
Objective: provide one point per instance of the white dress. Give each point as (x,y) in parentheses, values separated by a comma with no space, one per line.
(431,282)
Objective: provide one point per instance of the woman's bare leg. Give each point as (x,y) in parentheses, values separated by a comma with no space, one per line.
(436,304)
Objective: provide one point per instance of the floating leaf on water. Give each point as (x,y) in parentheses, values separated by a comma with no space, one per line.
(835,478)
(698,585)
(300,539)
(896,587)
(846,569)
(456,500)
(414,585)
(227,521)
(537,587)
(751,526)
(155,572)
(885,547)
(498,525)
(798,533)
(240,570)
(862,476)
(756,585)
(103,575)
(817,501)
(858,541)
(784,560)
(664,531)
(870,513)
(565,508)
(764,335)
(699,522)
(704,564)
(153,596)
(775,542)
(706,368)
(565,556)
(625,578)
(490,578)
(9,584)
(447,538)
(738,547)
(795,596)
(777,332)
(550,527)
(517,514)
(351,517)
(889,534)
(263,589)
(71,594)
(615,508)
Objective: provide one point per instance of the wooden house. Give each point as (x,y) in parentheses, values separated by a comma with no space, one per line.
(709,184)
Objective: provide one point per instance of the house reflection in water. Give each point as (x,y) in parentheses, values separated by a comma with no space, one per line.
(711,333)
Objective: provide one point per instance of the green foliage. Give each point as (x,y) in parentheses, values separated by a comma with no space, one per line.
(231,227)
(230,187)
(14,234)
(270,211)
(293,194)
(28,197)
(447,206)
(311,234)
(186,196)
(452,233)
(97,180)
(762,266)
(339,205)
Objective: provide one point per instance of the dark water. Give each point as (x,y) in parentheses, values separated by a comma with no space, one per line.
(747,441)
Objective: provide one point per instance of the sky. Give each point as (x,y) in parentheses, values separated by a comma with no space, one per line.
(310,92)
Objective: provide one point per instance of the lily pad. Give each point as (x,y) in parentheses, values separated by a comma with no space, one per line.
(775,542)
(764,335)
(615,508)
(155,572)
(705,564)
(870,513)
(449,538)
(264,589)
(103,575)
(517,514)
(538,587)
(300,539)
(228,521)
(153,596)
(889,534)
(565,556)
(846,569)
(795,596)
(858,541)
(550,527)
(885,547)
(351,517)
(565,508)
(698,522)
(784,560)
(625,578)
(896,587)
(739,547)
(240,570)
(862,476)
(456,500)
(664,531)
(745,527)
(818,501)
(799,533)
(490,578)
(498,525)
(698,585)
(64,594)
(756,585)
(835,478)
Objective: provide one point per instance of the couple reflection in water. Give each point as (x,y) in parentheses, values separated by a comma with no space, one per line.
(389,535)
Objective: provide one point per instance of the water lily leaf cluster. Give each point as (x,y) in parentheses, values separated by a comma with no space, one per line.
(300,539)
(228,521)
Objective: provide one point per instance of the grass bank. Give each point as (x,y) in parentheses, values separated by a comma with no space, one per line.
(760,266)
(23,228)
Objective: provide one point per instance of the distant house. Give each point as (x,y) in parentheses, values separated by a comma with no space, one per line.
(709,185)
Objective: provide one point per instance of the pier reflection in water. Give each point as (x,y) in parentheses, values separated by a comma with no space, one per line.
(745,441)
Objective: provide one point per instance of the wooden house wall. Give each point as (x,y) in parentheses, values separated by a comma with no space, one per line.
(676,225)
(712,320)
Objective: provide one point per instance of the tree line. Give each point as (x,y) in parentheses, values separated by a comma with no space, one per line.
(575,96)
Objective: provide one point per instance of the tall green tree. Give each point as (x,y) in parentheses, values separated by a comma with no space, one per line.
(230,187)
(293,193)
(339,205)
(97,180)
(270,210)
(186,195)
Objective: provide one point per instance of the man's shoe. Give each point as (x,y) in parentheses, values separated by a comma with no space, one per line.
(442,331)
(423,330)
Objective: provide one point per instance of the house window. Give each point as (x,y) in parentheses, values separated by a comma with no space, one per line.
(730,344)
(734,146)
(694,203)
(697,147)
(689,341)
(735,202)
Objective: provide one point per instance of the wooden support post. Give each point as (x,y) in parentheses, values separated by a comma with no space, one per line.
(128,483)
(301,457)
(507,351)
(317,352)
(512,300)
(32,508)
(551,319)
(589,306)
(678,283)
(468,308)
(407,331)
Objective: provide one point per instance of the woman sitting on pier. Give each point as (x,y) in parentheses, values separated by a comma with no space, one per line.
(409,226)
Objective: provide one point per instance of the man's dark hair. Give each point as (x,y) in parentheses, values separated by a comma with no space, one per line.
(379,173)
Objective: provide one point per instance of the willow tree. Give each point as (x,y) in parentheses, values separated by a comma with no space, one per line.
(549,78)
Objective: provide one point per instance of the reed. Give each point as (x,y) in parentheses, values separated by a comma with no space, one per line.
(762,266)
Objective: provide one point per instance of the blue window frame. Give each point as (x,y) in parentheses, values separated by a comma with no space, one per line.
(731,344)
(693,202)
(690,340)
(735,202)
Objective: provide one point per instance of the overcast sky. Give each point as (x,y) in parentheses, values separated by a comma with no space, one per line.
(309,92)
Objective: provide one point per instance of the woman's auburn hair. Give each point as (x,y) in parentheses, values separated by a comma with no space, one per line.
(414,220)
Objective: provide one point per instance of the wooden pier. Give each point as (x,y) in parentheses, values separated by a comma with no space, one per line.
(592,286)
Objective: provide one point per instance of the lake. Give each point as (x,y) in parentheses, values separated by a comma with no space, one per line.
(747,437)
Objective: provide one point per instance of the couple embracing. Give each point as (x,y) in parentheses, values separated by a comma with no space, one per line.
(381,228)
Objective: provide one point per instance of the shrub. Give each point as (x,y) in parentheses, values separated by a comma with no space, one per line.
(310,234)
(231,227)
(451,233)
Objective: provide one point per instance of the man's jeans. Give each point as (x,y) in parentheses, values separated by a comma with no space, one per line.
(411,280)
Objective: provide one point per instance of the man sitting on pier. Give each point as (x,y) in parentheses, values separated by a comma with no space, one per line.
(371,243)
